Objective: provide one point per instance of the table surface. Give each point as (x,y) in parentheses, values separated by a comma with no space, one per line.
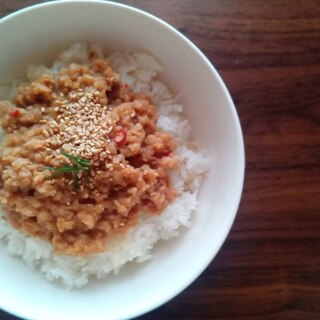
(268,54)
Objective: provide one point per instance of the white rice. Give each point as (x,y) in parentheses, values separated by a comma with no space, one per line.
(140,71)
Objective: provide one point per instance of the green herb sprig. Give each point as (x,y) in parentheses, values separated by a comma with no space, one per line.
(78,164)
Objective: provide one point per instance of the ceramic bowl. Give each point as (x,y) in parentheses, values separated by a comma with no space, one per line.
(36,35)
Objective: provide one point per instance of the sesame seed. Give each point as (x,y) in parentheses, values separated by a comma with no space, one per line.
(45,133)
(110,129)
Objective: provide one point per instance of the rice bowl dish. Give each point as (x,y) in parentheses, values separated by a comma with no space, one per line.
(147,136)
(214,126)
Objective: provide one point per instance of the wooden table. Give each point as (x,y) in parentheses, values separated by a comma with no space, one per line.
(268,53)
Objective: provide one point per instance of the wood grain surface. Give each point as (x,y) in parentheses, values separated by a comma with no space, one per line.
(268,53)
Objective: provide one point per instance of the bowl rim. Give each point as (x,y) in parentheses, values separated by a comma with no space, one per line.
(240,141)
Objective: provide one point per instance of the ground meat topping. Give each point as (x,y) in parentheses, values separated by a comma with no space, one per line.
(84,111)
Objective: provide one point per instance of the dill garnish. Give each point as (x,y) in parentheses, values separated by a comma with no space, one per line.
(78,164)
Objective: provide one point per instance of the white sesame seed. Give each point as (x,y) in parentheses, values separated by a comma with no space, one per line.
(109,130)
(45,133)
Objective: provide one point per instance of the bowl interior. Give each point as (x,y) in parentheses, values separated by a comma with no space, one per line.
(38,35)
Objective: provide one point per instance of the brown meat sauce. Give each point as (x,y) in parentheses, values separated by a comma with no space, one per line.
(80,111)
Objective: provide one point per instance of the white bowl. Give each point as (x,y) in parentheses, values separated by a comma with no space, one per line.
(36,35)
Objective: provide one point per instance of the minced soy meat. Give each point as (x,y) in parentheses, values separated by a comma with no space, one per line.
(82,158)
